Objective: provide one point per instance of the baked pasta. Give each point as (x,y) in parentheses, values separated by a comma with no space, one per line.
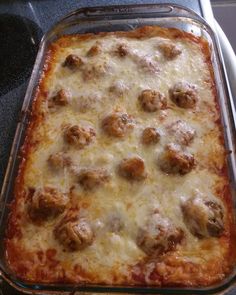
(123,177)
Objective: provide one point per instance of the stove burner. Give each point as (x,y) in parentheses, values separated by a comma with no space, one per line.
(19,39)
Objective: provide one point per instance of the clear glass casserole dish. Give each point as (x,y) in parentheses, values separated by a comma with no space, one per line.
(119,18)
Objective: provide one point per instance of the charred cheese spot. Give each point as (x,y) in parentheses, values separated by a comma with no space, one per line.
(184,95)
(133,168)
(152,100)
(78,136)
(118,124)
(175,160)
(204,218)
(74,235)
(47,203)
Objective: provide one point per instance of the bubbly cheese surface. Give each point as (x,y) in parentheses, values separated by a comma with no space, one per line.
(114,255)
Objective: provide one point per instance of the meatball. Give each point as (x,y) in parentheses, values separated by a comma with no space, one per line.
(133,168)
(152,100)
(174,160)
(47,203)
(118,88)
(96,70)
(150,136)
(88,102)
(170,51)
(73,62)
(184,95)
(59,160)
(204,218)
(74,235)
(115,222)
(122,50)
(79,136)
(146,63)
(61,98)
(159,236)
(182,132)
(92,178)
(94,50)
(118,124)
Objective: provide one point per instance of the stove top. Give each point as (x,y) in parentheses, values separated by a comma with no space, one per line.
(19,39)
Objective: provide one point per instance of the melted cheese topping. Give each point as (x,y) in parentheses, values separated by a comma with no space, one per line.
(115,84)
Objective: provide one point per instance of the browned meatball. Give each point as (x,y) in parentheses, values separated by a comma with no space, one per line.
(174,160)
(170,51)
(94,50)
(122,50)
(118,88)
(59,160)
(96,70)
(115,222)
(183,133)
(118,124)
(159,236)
(152,100)
(146,63)
(150,136)
(92,178)
(47,203)
(74,235)
(133,168)
(61,98)
(73,62)
(184,95)
(79,136)
(204,218)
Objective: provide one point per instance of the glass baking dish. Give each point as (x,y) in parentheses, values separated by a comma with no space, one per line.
(118,18)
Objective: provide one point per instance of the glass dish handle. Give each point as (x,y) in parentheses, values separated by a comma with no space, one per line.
(127,11)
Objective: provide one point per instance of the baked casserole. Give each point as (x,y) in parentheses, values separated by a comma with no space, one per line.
(123,178)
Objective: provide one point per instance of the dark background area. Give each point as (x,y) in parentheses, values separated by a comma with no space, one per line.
(225,13)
